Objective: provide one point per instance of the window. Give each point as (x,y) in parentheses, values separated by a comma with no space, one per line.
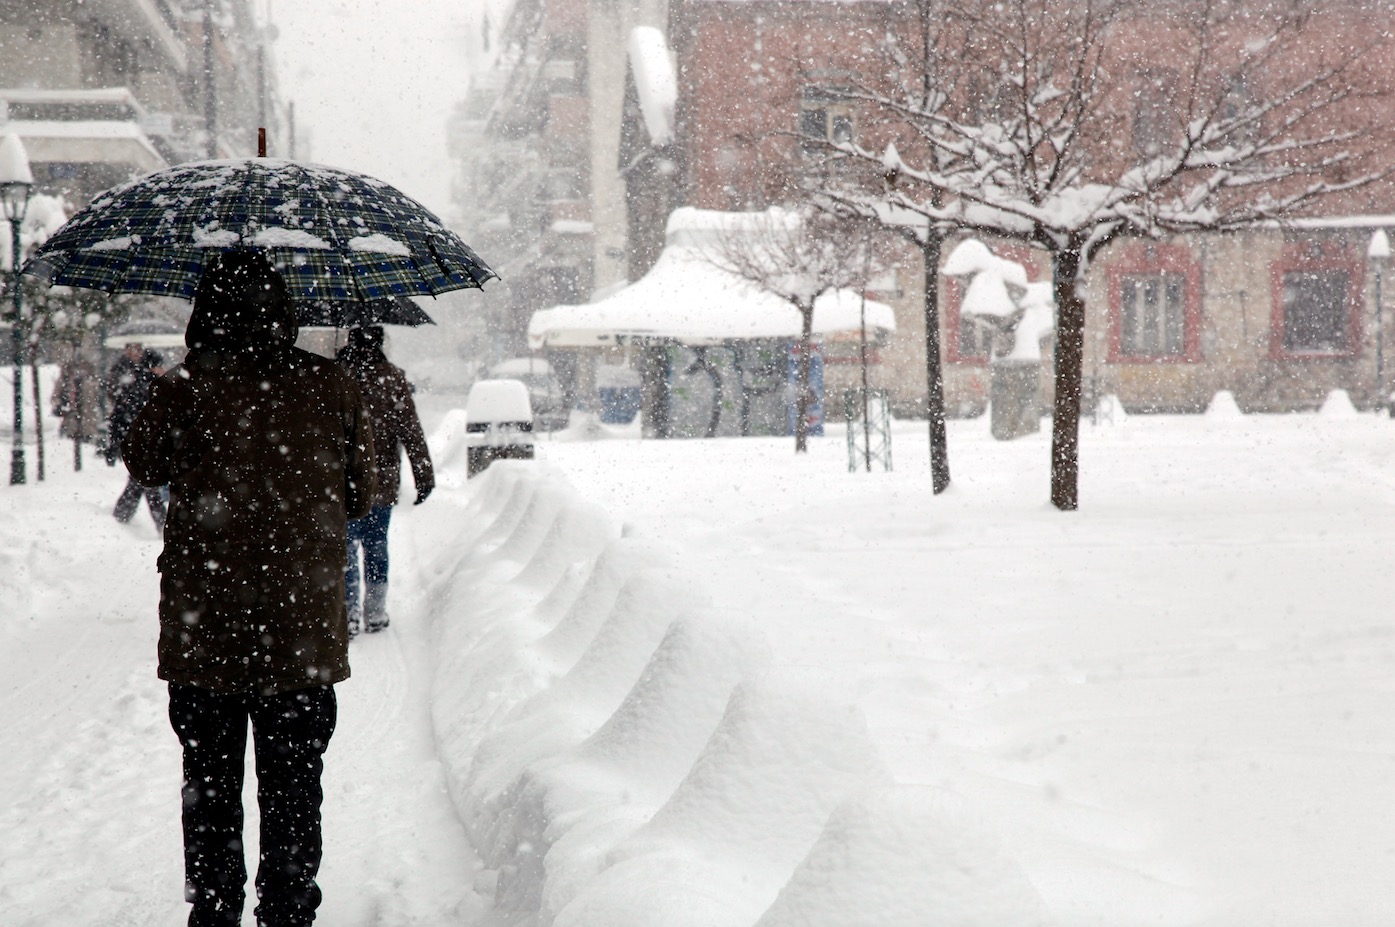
(825,116)
(1154,305)
(1153,315)
(1315,311)
(1154,115)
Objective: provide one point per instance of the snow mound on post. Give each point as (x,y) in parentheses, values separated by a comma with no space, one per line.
(906,856)
(1223,406)
(1338,405)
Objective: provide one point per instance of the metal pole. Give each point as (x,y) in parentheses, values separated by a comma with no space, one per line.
(1380,347)
(862,313)
(38,415)
(17,339)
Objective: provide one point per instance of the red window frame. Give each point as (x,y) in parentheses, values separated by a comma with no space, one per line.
(1314,257)
(1151,259)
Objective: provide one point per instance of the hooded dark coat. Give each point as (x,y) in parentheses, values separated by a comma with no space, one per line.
(393,412)
(268,451)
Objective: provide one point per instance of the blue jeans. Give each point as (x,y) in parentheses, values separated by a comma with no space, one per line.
(370,534)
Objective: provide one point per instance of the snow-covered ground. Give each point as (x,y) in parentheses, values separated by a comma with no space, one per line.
(708,682)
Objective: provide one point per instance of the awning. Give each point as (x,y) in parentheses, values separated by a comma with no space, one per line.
(686,299)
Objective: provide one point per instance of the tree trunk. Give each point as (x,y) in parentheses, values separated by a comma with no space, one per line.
(934,370)
(801,402)
(654,371)
(1070,362)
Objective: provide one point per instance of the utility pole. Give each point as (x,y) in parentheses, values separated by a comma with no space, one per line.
(210,95)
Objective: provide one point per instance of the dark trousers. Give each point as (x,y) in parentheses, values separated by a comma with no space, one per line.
(370,533)
(289,732)
(129,501)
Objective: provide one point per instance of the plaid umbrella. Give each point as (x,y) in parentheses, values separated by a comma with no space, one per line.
(397,310)
(334,235)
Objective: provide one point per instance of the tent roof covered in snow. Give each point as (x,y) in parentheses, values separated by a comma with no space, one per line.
(687,299)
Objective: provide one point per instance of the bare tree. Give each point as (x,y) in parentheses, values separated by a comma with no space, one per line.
(1067,124)
(796,255)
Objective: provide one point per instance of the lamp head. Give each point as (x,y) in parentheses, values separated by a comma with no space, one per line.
(16,180)
(14,198)
(1379,249)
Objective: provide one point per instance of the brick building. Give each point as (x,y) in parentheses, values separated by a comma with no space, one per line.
(1278,316)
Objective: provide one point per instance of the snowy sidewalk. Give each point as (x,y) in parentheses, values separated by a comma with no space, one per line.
(89,828)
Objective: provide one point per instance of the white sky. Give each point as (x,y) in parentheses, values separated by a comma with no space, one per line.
(373,83)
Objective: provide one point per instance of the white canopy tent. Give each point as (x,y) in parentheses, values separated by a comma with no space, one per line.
(689,300)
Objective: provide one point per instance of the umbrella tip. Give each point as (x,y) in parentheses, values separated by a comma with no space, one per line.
(261,141)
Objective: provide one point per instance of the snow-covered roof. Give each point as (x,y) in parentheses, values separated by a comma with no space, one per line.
(687,299)
(655,82)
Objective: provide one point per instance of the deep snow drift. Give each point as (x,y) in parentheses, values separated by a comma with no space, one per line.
(756,689)
(708,682)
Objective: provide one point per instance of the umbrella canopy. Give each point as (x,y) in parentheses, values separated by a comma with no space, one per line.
(396,310)
(335,235)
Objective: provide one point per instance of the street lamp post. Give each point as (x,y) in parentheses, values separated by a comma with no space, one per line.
(16,184)
(1378,252)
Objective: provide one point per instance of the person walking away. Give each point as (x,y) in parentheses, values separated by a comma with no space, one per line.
(128,386)
(76,396)
(268,452)
(396,427)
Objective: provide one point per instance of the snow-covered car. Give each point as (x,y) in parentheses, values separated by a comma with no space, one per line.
(498,423)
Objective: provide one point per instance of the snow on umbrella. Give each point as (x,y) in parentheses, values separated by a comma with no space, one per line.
(395,310)
(334,234)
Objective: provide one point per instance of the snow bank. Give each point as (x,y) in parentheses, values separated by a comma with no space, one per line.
(622,754)
(907,855)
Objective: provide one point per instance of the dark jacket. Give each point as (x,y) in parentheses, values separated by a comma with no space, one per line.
(267,453)
(128,385)
(395,423)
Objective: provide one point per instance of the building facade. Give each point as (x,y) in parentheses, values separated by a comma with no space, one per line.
(1279,316)
(100,91)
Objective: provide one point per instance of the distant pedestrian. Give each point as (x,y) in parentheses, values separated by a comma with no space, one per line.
(396,427)
(128,386)
(77,397)
(268,451)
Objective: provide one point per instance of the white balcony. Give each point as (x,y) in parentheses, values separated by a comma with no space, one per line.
(82,126)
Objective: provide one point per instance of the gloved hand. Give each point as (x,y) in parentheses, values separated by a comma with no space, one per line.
(424,490)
